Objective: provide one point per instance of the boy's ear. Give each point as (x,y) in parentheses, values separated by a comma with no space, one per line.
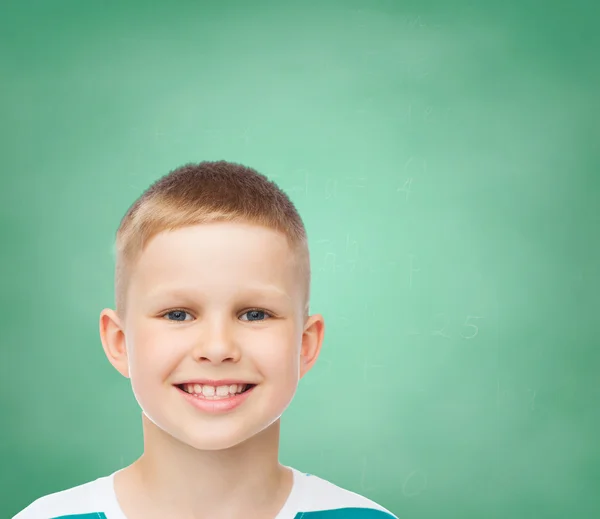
(113,341)
(312,339)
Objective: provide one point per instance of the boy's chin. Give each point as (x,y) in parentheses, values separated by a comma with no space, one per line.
(217,442)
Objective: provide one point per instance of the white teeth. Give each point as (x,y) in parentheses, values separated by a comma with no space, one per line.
(212,392)
(221,391)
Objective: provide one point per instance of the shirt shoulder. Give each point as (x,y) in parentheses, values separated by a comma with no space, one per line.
(322,499)
(86,501)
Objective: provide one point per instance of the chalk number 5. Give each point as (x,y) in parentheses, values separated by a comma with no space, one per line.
(473,329)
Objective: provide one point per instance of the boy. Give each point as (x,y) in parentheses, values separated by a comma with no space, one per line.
(211,326)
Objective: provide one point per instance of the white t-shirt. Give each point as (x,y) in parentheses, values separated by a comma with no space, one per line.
(311,498)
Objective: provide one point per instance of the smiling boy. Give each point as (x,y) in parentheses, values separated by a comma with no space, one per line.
(211,326)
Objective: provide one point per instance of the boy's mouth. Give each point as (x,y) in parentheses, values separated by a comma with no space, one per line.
(211,392)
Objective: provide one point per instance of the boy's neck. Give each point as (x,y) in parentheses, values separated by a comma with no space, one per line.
(173,480)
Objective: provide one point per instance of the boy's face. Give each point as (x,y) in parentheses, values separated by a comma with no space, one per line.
(190,316)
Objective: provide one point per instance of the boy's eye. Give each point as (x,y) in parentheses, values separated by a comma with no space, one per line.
(253,315)
(256,315)
(179,315)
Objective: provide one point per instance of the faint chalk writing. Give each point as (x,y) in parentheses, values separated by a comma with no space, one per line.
(421,166)
(441,331)
(301,188)
(344,261)
(405,188)
(440,324)
(360,182)
(329,262)
(330,189)
(414,484)
(474,330)
(533,393)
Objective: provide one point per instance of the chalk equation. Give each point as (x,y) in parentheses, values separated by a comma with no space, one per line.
(331,260)
(300,182)
(469,329)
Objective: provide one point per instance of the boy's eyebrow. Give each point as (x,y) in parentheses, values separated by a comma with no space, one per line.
(182,291)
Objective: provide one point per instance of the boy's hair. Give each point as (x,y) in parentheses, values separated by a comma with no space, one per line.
(204,193)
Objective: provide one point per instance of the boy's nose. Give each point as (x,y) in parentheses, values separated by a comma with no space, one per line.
(216,344)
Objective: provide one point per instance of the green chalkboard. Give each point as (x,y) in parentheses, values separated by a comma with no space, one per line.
(444,157)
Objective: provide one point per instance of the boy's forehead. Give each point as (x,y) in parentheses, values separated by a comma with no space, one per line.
(217,240)
(161,291)
(219,233)
(252,257)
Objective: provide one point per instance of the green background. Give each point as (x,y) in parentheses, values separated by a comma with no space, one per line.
(444,156)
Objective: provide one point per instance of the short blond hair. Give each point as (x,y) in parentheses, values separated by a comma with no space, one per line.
(203,193)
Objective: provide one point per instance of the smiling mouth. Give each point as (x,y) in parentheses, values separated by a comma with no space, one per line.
(215,392)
